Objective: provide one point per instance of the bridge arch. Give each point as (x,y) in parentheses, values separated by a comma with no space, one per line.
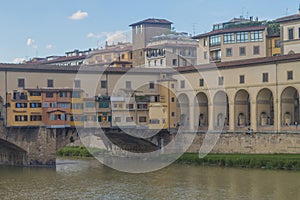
(11,154)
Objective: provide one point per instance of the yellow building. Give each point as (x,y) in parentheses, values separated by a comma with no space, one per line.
(77,107)
(119,55)
(273,45)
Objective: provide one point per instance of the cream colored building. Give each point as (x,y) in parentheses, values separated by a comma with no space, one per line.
(172,50)
(261,94)
(237,39)
(290,33)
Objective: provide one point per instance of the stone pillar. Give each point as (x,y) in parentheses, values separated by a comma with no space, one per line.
(211,117)
(192,116)
(253,115)
(231,117)
(277,114)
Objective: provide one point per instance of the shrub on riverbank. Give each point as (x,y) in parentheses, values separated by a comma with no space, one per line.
(272,161)
(73,152)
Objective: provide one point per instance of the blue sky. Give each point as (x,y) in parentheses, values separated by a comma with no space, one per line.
(45,27)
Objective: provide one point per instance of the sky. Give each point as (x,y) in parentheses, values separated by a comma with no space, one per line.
(40,28)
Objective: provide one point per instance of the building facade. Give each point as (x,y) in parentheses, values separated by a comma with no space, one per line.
(237,39)
(290,33)
(172,50)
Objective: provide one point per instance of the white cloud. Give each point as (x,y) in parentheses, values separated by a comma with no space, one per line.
(79,15)
(111,37)
(30,42)
(19,60)
(49,46)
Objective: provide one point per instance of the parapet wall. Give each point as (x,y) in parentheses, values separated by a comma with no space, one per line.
(258,143)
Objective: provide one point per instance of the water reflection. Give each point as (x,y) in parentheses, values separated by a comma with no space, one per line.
(91,180)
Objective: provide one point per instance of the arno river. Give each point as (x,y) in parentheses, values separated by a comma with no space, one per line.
(91,180)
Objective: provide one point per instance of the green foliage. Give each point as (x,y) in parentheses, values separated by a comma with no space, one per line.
(73,152)
(271,161)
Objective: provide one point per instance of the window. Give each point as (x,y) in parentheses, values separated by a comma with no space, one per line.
(63,105)
(290,75)
(242,51)
(256,50)
(172,85)
(103,84)
(142,119)
(229,38)
(174,62)
(63,94)
(256,36)
(21,82)
(52,105)
(201,82)
(265,77)
(182,84)
(205,42)
(151,85)
(215,40)
(173,99)
(35,118)
(49,94)
(35,105)
(21,105)
(173,114)
(117,119)
(242,37)
(291,33)
(221,80)
(299,33)
(205,55)
(21,118)
(277,44)
(128,84)
(77,83)
(129,119)
(154,121)
(129,106)
(228,52)
(35,94)
(242,79)
(103,104)
(76,94)
(90,104)
(50,83)
(142,106)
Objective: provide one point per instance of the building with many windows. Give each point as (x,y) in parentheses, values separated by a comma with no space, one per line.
(237,39)
(115,55)
(290,33)
(172,50)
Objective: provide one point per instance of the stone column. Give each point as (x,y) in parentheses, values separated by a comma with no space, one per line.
(231,117)
(253,114)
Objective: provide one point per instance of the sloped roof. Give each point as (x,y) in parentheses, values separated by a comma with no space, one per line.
(152,21)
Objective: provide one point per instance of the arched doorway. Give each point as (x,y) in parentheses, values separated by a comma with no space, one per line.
(201,113)
(221,110)
(290,107)
(242,108)
(265,108)
(183,110)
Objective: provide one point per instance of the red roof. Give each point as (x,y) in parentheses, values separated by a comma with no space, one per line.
(152,21)
(230,30)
